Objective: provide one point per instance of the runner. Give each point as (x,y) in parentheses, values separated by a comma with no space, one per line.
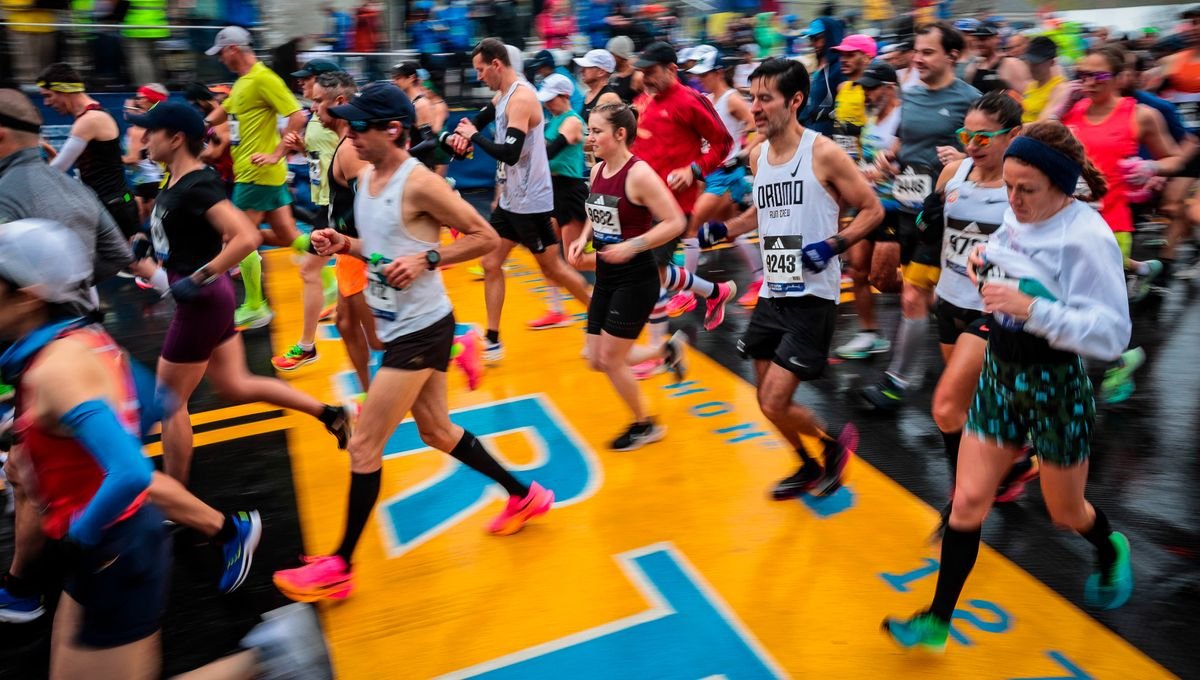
(1047,90)
(596,69)
(630,212)
(198,235)
(1180,84)
(1059,298)
(850,103)
(216,148)
(626,80)
(525,193)
(147,175)
(259,164)
(430,118)
(990,70)
(800,179)
(94,144)
(399,214)
(931,114)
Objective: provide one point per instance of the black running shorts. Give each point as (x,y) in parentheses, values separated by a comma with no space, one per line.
(427,348)
(793,332)
(622,310)
(570,195)
(533,231)
(953,321)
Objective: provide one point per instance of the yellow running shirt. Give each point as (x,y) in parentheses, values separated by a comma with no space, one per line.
(254,105)
(1036,98)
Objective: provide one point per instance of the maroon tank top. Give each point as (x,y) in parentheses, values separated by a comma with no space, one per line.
(614,217)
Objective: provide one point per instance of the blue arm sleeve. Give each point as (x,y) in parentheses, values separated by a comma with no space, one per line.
(126,470)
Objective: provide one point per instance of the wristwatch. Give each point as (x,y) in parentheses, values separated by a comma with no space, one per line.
(432,259)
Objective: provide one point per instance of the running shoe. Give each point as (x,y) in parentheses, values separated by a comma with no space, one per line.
(551,319)
(638,435)
(337,422)
(1110,588)
(247,318)
(1011,489)
(676,351)
(470,358)
(923,630)
(239,550)
(518,511)
(1141,284)
(749,299)
(1118,381)
(476,271)
(799,483)
(295,357)
(649,368)
(681,303)
(886,396)
(714,313)
(493,352)
(321,578)
(289,644)
(863,345)
(837,454)
(15,609)
(328,313)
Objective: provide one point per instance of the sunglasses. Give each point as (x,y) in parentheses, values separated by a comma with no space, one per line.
(364,125)
(981,139)
(1098,76)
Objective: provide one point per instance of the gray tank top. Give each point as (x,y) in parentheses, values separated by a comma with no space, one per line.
(381,227)
(525,188)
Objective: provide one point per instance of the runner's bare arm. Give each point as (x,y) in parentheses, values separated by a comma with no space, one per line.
(217,116)
(835,168)
(446,207)
(748,220)
(240,235)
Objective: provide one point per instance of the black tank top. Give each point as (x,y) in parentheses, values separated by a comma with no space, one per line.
(988,80)
(623,86)
(589,105)
(100,165)
(341,200)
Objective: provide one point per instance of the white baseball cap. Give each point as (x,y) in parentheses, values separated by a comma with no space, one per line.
(685,55)
(554,85)
(228,37)
(601,59)
(44,258)
(707,57)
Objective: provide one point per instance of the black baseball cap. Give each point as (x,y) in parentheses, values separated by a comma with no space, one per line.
(1040,50)
(878,73)
(196,91)
(380,100)
(543,59)
(656,53)
(405,69)
(316,67)
(985,29)
(174,116)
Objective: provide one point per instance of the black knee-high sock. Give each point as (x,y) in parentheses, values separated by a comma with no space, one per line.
(959,550)
(471,452)
(364,491)
(805,459)
(1098,536)
(952,440)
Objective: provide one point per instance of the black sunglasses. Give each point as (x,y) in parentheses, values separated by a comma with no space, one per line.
(375,124)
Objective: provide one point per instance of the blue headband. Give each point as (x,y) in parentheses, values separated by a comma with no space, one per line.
(1062,170)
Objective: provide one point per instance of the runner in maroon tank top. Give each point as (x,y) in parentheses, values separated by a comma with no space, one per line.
(627,198)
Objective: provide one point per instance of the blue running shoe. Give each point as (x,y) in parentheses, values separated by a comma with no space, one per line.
(239,551)
(19,609)
(923,630)
(1110,588)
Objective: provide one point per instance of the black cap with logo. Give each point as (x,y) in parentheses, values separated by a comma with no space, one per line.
(656,53)
(878,73)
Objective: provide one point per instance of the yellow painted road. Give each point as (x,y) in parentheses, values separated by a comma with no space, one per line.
(669,561)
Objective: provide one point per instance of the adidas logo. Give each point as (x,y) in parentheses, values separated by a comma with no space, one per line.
(944,111)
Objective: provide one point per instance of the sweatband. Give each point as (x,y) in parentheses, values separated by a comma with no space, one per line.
(126,470)
(65,88)
(156,97)
(1062,170)
(70,152)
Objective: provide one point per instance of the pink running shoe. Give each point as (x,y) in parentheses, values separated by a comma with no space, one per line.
(750,299)
(518,511)
(681,303)
(714,316)
(551,319)
(470,359)
(649,368)
(321,578)
(1011,491)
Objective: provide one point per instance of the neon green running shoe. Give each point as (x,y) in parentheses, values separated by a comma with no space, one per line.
(923,630)
(1110,588)
(1118,380)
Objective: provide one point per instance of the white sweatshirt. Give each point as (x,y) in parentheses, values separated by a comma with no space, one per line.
(1079,257)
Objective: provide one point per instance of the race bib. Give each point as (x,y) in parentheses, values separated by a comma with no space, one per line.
(158,235)
(959,239)
(1189,113)
(383,299)
(235,135)
(848,143)
(782,266)
(501,173)
(606,220)
(910,188)
(314,169)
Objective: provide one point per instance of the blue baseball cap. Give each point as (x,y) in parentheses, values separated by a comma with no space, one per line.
(817,27)
(174,116)
(380,100)
(543,59)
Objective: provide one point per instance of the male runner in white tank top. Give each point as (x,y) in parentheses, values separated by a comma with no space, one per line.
(399,211)
(800,180)
(525,198)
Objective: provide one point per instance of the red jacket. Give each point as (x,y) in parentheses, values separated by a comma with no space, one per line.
(671,131)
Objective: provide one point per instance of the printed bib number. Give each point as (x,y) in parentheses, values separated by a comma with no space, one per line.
(782,266)
(314,169)
(606,220)
(910,188)
(848,143)
(235,135)
(158,236)
(383,299)
(959,239)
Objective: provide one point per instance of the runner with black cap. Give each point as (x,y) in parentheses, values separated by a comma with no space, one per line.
(1047,90)
(216,143)
(399,213)
(989,70)
(406,76)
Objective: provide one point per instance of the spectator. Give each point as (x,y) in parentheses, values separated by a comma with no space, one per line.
(341,26)
(146,24)
(366,27)
(555,24)
(33,47)
(594,24)
(824,33)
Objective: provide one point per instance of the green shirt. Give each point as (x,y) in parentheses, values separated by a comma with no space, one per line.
(254,105)
(319,145)
(569,161)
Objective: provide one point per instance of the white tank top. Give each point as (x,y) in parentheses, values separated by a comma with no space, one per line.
(733,125)
(525,188)
(972,214)
(794,209)
(381,228)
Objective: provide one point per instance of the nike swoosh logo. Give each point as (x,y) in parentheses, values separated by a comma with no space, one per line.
(798,162)
(797,364)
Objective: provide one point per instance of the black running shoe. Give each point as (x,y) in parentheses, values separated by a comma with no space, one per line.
(800,483)
(337,423)
(837,454)
(886,396)
(638,435)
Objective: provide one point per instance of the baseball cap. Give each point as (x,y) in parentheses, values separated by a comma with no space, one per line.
(858,43)
(196,91)
(405,69)
(228,37)
(601,59)
(878,73)
(684,56)
(316,67)
(1040,50)
(707,57)
(817,27)
(380,100)
(174,116)
(620,46)
(1190,13)
(44,257)
(656,53)
(985,29)
(543,59)
(554,85)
